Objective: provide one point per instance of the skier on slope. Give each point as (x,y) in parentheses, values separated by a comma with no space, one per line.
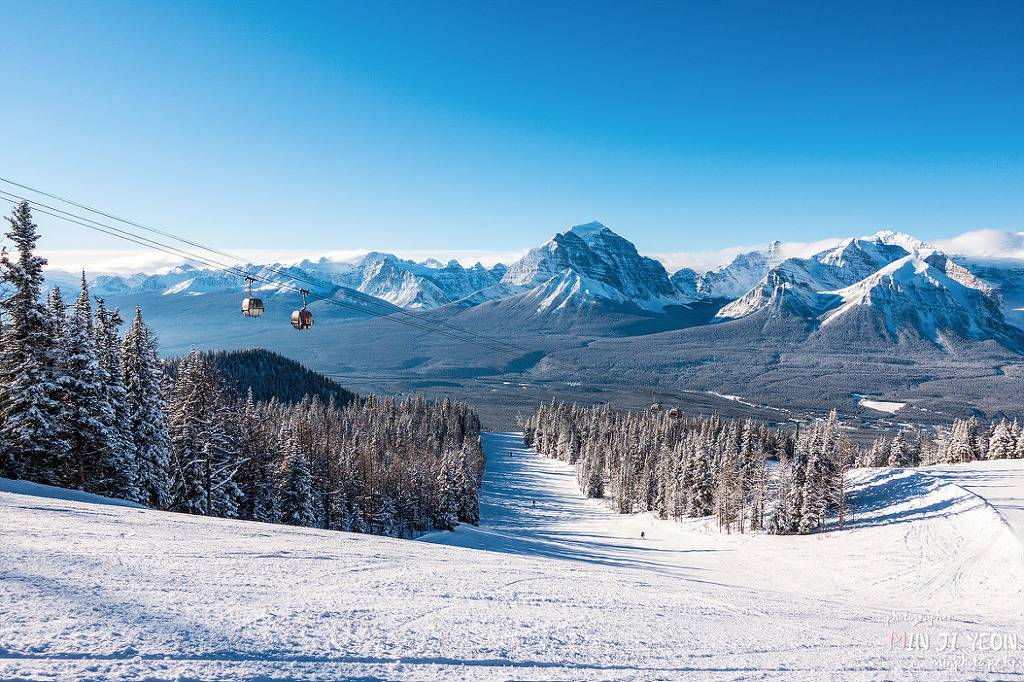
(641,535)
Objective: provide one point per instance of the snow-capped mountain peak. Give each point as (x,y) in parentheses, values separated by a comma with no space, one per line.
(602,257)
(588,232)
(905,241)
(912,294)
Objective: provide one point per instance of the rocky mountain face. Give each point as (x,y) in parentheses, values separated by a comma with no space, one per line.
(590,261)
(732,280)
(888,283)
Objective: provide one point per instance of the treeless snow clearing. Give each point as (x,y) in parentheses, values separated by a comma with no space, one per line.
(550,586)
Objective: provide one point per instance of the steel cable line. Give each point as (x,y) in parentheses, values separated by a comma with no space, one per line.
(417,322)
(236,271)
(366,298)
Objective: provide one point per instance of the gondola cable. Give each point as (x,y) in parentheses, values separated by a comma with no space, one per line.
(351,292)
(210,263)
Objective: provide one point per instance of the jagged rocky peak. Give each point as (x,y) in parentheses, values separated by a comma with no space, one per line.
(600,256)
(739,275)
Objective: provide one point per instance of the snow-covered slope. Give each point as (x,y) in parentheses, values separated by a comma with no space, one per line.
(912,293)
(881,288)
(734,278)
(594,254)
(1006,276)
(551,586)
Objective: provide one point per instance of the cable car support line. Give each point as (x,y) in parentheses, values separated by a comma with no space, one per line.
(416,322)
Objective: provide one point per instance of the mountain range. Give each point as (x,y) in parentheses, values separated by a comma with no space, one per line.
(588,313)
(903,286)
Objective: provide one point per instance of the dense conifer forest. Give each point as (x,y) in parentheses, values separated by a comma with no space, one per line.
(679,466)
(83,407)
(269,375)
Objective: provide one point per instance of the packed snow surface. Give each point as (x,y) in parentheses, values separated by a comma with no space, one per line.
(551,586)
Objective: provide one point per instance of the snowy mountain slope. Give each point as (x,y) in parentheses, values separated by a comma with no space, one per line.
(736,277)
(880,289)
(400,282)
(1006,276)
(558,590)
(911,292)
(425,285)
(594,253)
(847,263)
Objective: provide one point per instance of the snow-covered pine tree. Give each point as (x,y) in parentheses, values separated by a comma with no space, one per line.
(468,490)
(447,509)
(898,451)
(779,521)
(204,452)
(100,464)
(295,487)
(123,456)
(727,492)
(256,476)
(815,488)
(1001,444)
(702,493)
(145,413)
(757,480)
(32,435)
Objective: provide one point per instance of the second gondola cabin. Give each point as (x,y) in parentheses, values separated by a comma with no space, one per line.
(302,319)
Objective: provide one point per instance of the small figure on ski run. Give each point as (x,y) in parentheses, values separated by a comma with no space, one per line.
(534,503)
(641,535)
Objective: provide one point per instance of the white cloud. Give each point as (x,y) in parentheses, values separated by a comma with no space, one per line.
(702,261)
(986,244)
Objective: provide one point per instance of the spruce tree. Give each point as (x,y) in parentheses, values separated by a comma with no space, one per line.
(295,490)
(32,443)
(447,513)
(145,414)
(95,449)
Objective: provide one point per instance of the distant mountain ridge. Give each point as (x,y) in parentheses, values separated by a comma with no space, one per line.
(900,286)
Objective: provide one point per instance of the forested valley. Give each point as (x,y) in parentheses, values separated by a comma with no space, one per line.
(82,406)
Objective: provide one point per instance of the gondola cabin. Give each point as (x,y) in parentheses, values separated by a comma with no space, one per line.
(302,319)
(673,413)
(252,307)
(655,408)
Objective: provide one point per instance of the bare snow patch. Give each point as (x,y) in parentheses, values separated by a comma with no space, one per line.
(889,406)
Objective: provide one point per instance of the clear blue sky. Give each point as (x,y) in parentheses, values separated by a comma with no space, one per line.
(490,125)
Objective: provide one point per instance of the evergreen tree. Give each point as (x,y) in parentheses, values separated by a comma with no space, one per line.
(1001,444)
(145,414)
(898,451)
(32,443)
(447,514)
(100,464)
(814,498)
(122,455)
(295,491)
(202,465)
(468,488)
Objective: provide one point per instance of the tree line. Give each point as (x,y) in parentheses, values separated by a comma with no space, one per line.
(682,467)
(966,440)
(83,407)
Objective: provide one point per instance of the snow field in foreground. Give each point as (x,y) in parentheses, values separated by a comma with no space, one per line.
(550,586)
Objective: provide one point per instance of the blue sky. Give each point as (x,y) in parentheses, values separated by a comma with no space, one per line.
(426,126)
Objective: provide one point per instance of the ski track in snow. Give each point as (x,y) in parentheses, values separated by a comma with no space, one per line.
(551,586)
